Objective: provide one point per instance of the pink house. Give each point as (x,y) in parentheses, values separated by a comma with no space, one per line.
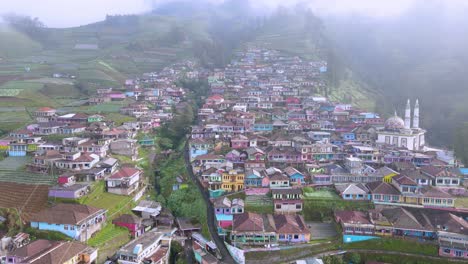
(66,179)
(265,182)
(214,99)
(240,142)
(131,222)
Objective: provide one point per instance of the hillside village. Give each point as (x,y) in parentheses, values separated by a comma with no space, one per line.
(289,158)
(279,163)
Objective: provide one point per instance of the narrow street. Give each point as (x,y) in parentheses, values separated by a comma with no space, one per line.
(225,256)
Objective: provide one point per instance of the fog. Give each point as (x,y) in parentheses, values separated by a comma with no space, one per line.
(70,13)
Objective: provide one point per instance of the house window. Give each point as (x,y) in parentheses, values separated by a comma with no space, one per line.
(296,236)
(454,181)
(72,227)
(458,253)
(404,142)
(377,196)
(298,206)
(65,227)
(278,206)
(440,181)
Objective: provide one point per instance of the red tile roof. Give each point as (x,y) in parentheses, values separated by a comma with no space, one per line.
(125,172)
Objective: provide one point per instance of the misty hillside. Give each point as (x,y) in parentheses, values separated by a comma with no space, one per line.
(371,61)
(407,58)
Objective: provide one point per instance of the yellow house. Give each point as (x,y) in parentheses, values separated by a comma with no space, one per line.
(233,180)
(388,174)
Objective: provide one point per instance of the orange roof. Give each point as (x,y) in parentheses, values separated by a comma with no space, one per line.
(45,109)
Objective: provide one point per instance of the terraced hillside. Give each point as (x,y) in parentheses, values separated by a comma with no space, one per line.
(98,55)
(26,198)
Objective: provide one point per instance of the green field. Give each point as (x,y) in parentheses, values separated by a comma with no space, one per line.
(310,193)
(387,258)
(259,204)
(109,233)
(115,204)
(12,170)
(393,244)
(461,202)
(320,204)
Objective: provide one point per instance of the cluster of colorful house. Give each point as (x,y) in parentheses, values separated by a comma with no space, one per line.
(82,153)
(265,131)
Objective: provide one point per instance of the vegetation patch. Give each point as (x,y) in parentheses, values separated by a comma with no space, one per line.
(113,203)
(397,245)
(109,234)
(325,194)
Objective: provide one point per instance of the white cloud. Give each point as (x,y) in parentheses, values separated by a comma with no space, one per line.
(64,13)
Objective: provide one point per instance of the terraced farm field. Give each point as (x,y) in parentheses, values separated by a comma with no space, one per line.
(109,233)
(27,198)
(259,204)
(115,204)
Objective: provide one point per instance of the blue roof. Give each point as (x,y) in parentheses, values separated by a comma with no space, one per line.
(464,171)
(224,217)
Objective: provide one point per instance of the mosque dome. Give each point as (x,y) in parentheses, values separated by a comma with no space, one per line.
(394,123)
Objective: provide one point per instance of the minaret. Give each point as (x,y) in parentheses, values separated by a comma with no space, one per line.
(408,115)
(416,115)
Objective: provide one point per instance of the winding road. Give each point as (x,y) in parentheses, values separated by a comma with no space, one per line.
(225,256)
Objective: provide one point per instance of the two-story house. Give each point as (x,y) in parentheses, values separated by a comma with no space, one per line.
(287,201)
(441,176)
(151,247)
(233,180)
(124,182)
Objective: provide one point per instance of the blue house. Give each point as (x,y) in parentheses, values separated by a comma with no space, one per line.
(146,142)
(17,149)
(295,177)
(199,147)
(353,191)
(328,108)
(253,178)
(348,136)
(263,127)
(77,221)
(319,135)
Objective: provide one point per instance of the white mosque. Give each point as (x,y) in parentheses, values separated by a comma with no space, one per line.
(403,133)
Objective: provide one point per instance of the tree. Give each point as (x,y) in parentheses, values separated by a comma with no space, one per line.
(27,25)
(333,260)
(461,143)
(355,258)
(165,143)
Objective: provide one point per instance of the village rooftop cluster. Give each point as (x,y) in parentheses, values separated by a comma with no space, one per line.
(268,138)
(80,153)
